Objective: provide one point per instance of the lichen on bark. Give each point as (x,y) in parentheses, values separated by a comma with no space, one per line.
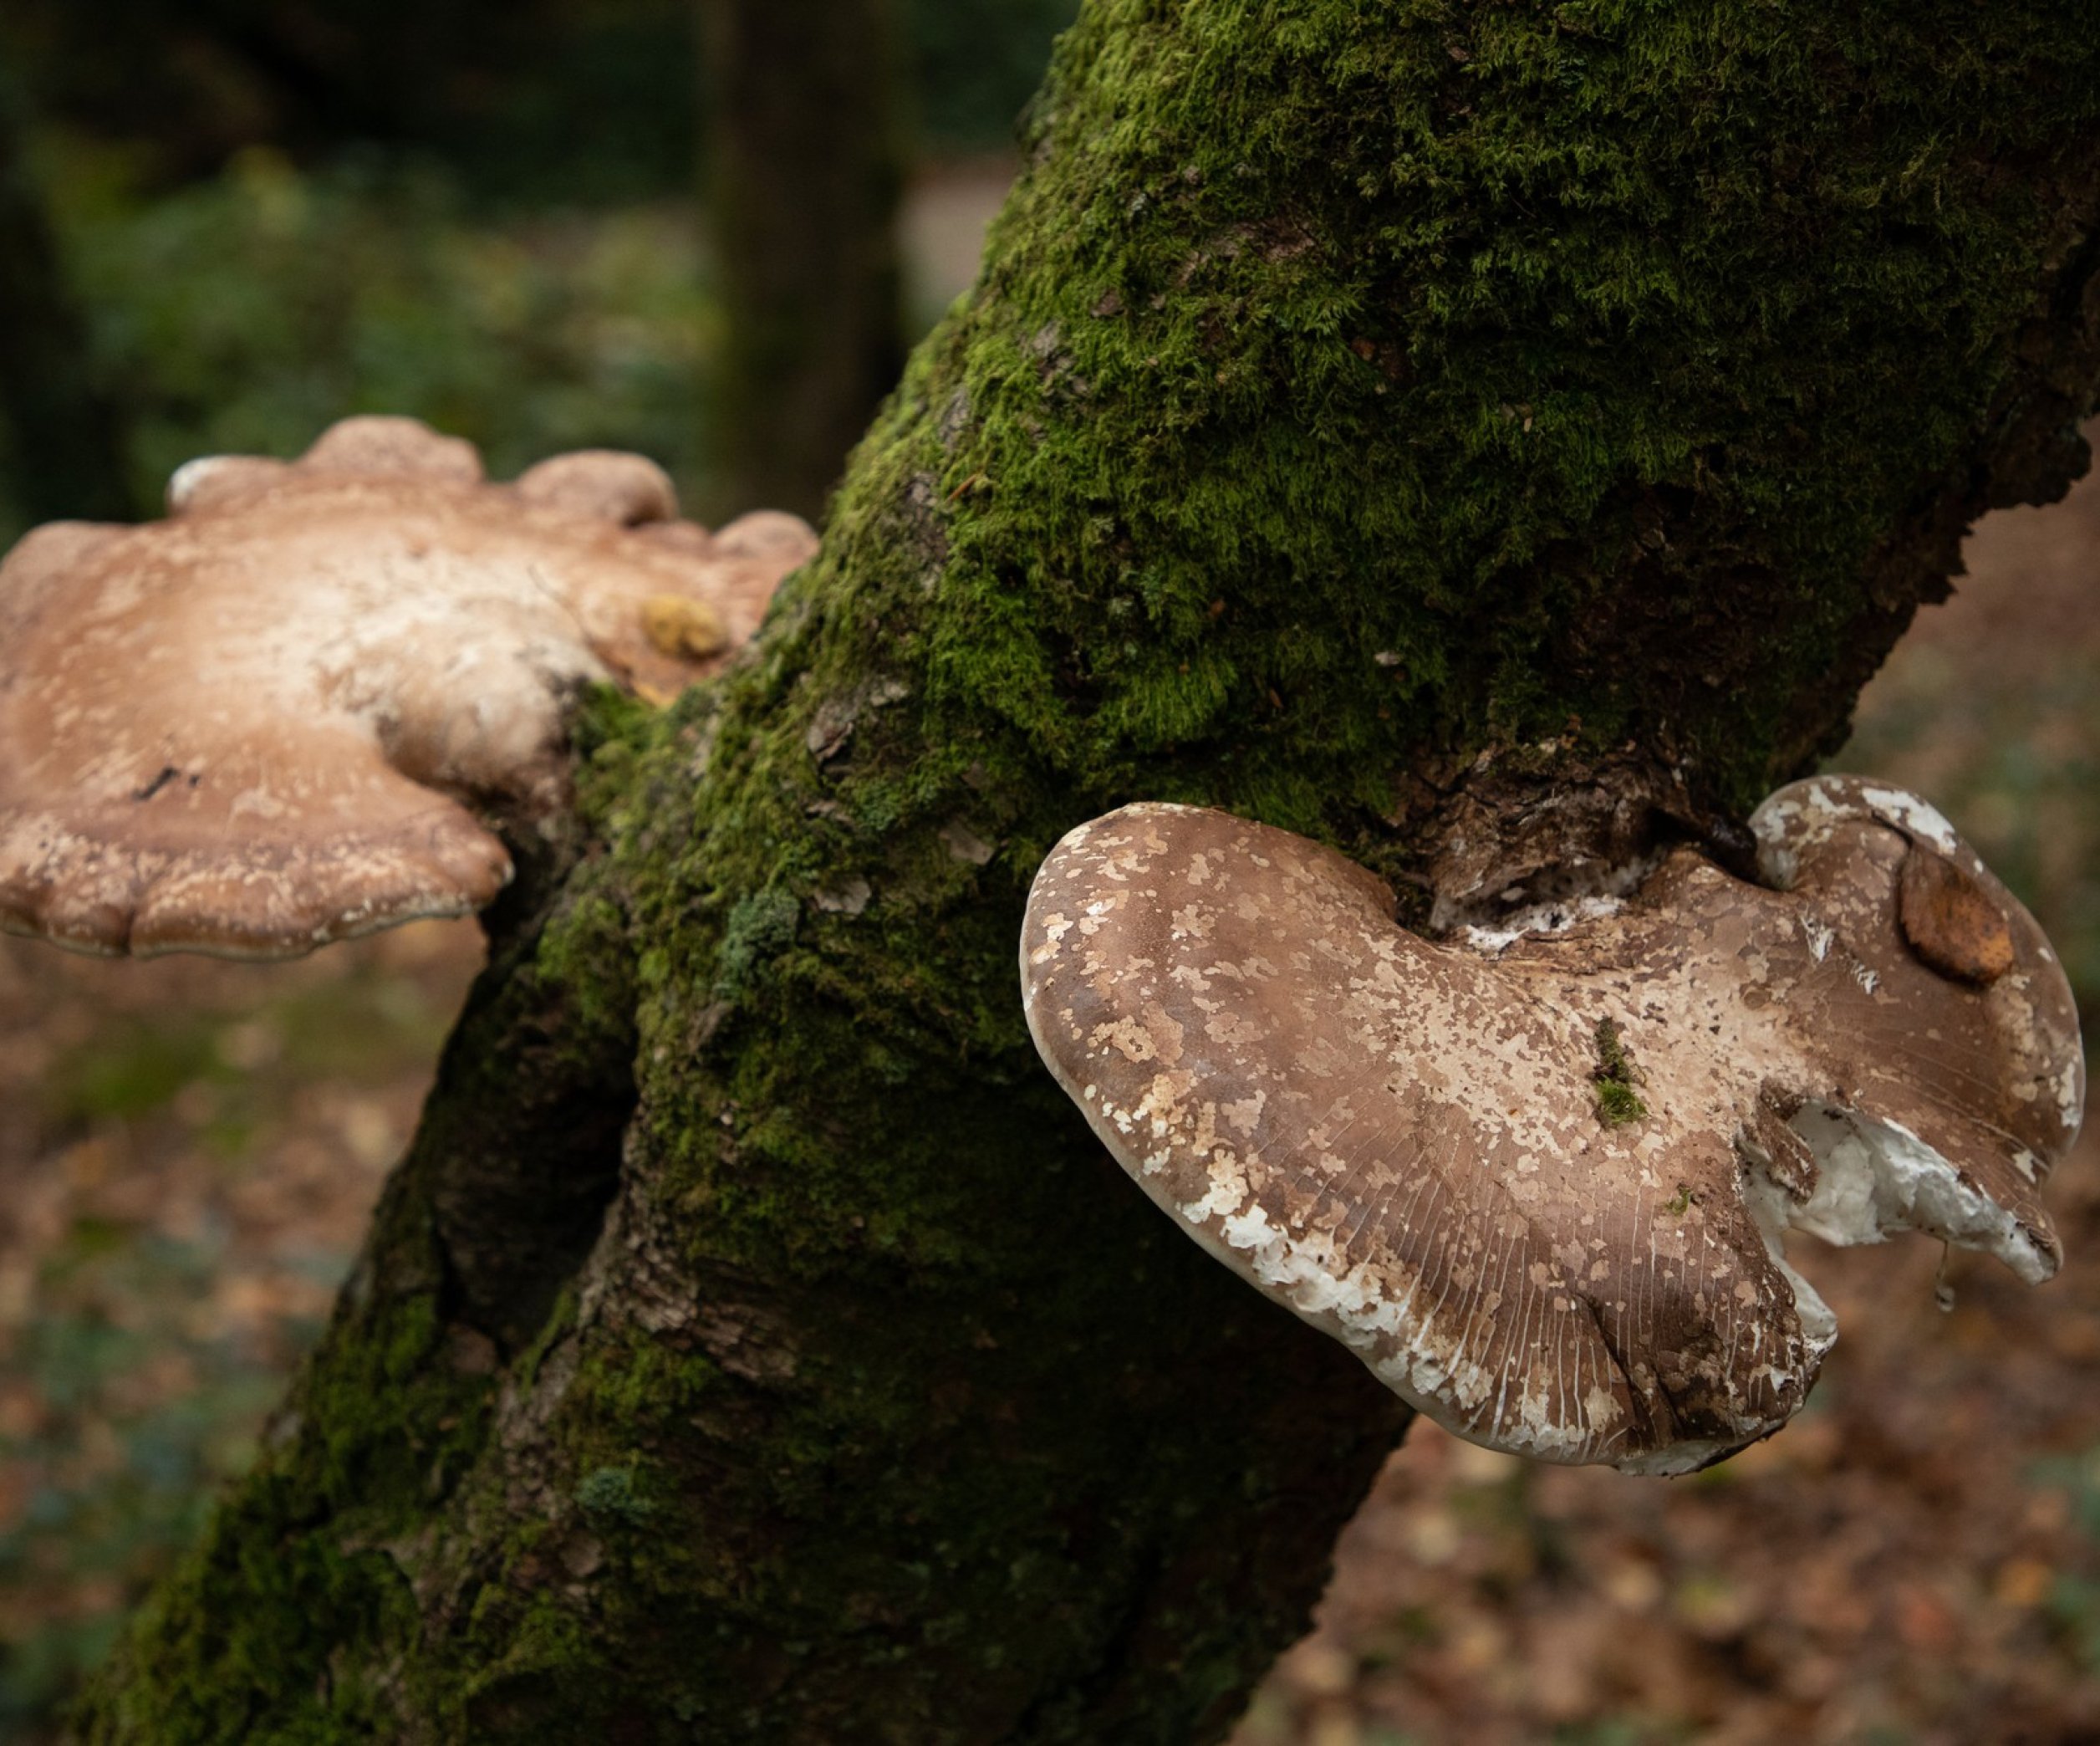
(1483,437)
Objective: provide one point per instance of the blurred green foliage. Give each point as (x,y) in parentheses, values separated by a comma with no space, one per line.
(976,63)
(277,212)
(536,100)
(357,1031)
(2074,1600)
(244,312)
(1617,1732)
(131,1072)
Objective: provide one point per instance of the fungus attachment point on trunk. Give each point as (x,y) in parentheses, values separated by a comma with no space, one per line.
(1405,1140)
(307,704)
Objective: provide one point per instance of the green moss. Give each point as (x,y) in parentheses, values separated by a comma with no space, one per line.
(1614,1078)
(762,926)
(1618,1104)
(1427,325)
(584,951)
(611,1491)
(608,731)
(1613,1062)
(560,1322)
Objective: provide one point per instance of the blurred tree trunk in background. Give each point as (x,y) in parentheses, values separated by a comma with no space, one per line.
(804,172)
(1487,438)
(66,456)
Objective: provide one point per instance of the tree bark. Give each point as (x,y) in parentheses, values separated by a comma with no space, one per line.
(1490,439)
(65,457)
(805,171)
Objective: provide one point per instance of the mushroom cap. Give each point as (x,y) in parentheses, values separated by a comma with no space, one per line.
(1402,1140)
(280,717)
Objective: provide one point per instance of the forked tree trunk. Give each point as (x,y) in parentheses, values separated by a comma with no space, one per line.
(805,169)
(1479,436)
(64,457)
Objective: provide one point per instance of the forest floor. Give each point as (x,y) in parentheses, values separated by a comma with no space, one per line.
(189,1150)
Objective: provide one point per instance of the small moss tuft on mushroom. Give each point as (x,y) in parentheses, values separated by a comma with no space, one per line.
(1618,1103)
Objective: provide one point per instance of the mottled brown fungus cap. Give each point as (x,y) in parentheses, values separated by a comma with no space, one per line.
(1404,1141)
(292,712)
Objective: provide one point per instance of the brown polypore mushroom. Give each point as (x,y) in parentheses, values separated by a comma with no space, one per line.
(1538,1180)
(283,716)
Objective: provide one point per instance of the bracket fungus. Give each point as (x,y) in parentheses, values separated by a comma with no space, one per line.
(291,711)
(1410,1144)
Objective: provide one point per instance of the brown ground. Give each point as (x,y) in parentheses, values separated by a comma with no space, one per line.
(188,1150)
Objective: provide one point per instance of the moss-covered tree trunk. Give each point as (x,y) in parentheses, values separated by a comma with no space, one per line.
(805,169)
(1485,437)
